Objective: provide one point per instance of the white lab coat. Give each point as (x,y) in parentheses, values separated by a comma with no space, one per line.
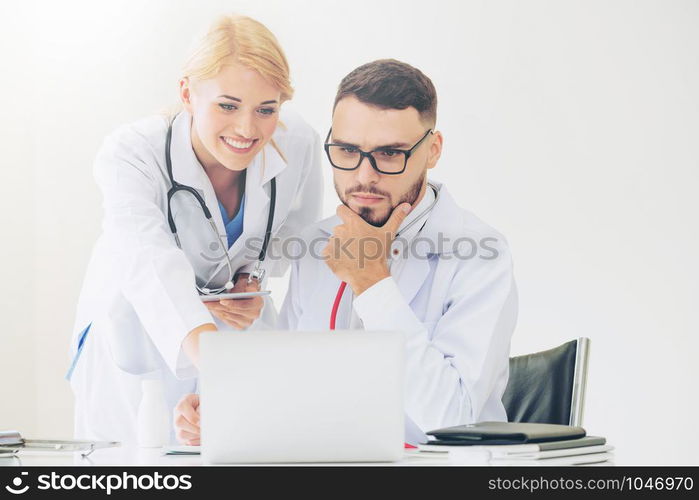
(458,314)
(139,292)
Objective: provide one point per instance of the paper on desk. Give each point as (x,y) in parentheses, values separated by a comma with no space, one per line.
(483,457)
(590,458)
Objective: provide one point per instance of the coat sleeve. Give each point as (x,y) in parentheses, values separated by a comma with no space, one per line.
(154,275)
(307,203)
(451,377)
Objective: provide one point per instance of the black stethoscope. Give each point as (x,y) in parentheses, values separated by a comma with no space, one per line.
(258,272)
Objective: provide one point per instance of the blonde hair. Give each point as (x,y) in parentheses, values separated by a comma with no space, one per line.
(244,40)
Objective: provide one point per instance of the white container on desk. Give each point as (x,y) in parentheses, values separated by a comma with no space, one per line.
(153,421)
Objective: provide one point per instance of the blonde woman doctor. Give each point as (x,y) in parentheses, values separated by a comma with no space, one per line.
(232,153)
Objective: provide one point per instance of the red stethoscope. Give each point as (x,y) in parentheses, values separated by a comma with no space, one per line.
(336,304)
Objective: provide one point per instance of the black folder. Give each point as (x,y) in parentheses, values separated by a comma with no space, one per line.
(487,433)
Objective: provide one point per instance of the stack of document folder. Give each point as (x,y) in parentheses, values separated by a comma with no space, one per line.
(503,443)
(586,450)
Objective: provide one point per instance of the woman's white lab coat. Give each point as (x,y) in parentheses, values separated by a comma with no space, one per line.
(139,295)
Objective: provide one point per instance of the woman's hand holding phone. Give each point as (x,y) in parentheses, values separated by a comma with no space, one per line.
(239,313)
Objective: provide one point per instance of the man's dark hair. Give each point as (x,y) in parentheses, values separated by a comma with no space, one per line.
(391,84)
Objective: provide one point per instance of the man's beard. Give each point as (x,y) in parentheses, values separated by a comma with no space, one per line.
(368,213)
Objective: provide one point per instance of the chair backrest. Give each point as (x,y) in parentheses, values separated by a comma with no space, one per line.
(548,386)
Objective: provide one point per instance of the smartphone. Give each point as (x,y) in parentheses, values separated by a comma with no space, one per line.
(237,295)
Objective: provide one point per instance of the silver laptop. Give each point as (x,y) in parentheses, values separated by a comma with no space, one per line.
(282,396)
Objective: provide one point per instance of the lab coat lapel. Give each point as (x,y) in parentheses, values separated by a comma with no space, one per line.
(440,222)
(445,223)
(187,170)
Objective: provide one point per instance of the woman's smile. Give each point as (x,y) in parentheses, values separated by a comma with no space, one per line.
(239,146)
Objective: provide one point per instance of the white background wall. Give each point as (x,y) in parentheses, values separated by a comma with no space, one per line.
(571,126)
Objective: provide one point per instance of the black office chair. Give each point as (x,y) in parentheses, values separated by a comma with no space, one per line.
(548,386)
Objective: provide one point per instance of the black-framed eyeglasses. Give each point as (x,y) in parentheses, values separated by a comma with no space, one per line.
(385,160)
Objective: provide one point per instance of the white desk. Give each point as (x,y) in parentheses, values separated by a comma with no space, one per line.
(125,456)
(133,456)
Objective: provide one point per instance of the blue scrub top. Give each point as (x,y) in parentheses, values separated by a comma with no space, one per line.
(234,226)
